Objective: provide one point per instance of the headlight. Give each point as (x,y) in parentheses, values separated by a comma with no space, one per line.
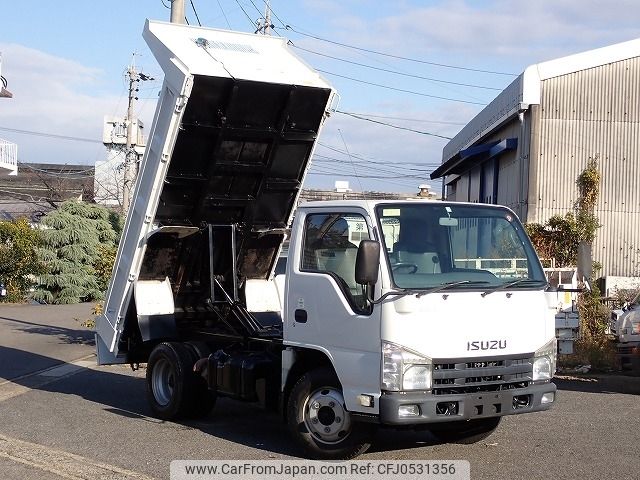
(391,367)
(404,370)
(417,377)
(544,361)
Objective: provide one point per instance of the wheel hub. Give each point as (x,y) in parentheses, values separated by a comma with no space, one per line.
(162,382)
(325,415)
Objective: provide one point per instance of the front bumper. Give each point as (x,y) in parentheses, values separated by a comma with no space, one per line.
(469,405)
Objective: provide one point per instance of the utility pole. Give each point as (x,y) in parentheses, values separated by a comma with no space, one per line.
(177,11)
(130,155)
(265,28)
(267,18)
(130,159)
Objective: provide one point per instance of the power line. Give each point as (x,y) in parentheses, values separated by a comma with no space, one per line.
(275,14)
(419,120)
(392,126)
(395,72)
(427,167)
(256,7)
(409,59)
(224,14)
(246,14)
(373,161)
(412,92)
(338,163)
(266,29)
(195,12)
(369,170)
(50,135)
(389,179)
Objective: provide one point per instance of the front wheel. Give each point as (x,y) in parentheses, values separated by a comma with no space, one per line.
(465,432)
(319,421)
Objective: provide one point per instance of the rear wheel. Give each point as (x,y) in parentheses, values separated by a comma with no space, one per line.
(319,421)
(465,432)
(173,389)
(203,399)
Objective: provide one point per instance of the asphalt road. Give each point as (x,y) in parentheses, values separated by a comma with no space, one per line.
(63,417)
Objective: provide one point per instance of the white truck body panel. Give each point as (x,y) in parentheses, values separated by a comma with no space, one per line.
(445,328)
(229,54)
(139,221)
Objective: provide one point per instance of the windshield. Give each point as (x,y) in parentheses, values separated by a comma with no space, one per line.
(432,244)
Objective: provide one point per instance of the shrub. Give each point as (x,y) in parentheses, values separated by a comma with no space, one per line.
(18,261)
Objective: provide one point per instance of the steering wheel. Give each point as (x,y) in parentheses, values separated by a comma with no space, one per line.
(411,267)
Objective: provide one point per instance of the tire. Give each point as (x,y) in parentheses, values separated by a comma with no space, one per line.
(173,390)
(203,399)
(327,432)
(465,432)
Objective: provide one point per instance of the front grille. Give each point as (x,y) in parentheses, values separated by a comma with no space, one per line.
(451,377)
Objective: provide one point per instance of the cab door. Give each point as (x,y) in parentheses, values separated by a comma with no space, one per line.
(325,309)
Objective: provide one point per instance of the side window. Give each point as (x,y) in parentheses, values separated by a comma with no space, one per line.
(331,246)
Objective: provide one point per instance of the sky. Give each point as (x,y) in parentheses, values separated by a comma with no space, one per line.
(65,64)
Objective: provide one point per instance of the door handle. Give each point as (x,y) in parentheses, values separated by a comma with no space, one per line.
(300,316)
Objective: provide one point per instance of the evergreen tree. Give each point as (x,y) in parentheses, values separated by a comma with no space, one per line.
(72,238)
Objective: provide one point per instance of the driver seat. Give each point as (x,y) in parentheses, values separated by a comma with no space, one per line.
(414,248)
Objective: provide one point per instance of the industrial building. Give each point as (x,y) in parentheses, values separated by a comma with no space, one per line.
(527,147)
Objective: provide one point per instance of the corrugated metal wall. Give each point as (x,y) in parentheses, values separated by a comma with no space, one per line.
(594,112)
(510,172)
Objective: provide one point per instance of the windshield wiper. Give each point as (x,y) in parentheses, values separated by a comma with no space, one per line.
(421,292)
(448,285)
(520,281)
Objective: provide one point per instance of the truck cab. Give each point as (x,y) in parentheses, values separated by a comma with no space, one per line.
(457,325)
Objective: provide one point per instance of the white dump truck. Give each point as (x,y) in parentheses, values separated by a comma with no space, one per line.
(395,313)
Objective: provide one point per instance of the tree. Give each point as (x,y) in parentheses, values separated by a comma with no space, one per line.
(72,238)
(18,261)
(557,239)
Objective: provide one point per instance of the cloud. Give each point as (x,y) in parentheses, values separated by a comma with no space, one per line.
(536,31)
(55,95)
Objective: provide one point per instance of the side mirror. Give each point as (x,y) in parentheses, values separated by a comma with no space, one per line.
(368,262)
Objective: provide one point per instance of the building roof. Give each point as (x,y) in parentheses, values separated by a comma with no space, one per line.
(31,210)
(526,89)
(38,187)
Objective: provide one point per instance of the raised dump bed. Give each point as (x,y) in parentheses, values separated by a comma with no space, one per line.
(234,130)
